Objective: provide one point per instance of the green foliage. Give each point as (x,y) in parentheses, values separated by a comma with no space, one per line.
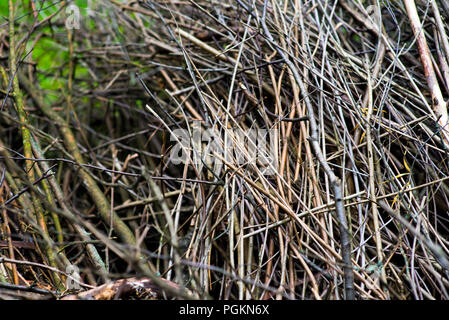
(49,56)
(3,10)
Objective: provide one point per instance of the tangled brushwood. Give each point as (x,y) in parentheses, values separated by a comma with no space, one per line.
(248,149)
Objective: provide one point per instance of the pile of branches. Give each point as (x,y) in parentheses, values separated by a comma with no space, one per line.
(259,149)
